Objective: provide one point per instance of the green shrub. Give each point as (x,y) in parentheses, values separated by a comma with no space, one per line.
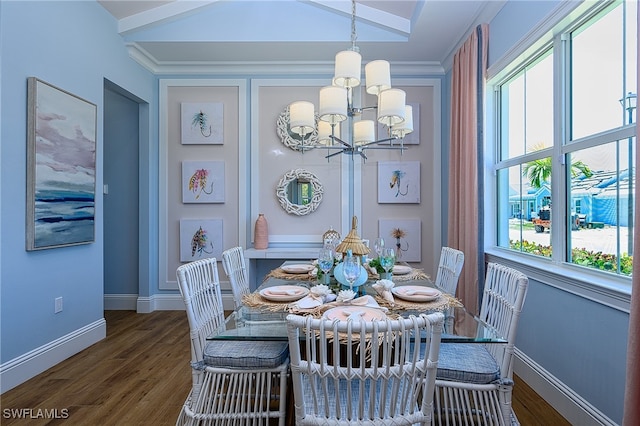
(580,256)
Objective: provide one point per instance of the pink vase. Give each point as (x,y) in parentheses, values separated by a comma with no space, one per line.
(261,238)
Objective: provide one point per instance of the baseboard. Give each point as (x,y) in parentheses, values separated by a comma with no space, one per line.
(171,302)
(32,363)
(569,404)
(160,302)
(120,302)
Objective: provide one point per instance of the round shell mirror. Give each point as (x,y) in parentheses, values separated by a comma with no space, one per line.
(299,192)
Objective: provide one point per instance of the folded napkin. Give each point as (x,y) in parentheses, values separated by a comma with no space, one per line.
(318,295)
(308,302)
(383,288)
(367,301)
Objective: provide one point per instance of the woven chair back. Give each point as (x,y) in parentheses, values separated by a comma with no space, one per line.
(449,269)
(235,267)
(364,372)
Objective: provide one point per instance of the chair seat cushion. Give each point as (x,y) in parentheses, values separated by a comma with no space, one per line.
(245,354)
(359,392)
(468,363)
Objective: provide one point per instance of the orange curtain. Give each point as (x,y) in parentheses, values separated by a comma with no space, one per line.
(632,390)
(465,163)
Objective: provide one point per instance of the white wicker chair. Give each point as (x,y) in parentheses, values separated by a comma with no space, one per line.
(449,269)
(343,381)
(234,382)
(236,269)
(475,381)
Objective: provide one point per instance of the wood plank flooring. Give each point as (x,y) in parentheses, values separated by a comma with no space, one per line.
(140,375)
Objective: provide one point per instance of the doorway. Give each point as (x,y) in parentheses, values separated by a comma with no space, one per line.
(121,198)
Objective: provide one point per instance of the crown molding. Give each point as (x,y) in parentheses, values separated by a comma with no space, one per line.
(214,68)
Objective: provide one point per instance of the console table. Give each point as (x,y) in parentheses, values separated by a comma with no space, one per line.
(261,262)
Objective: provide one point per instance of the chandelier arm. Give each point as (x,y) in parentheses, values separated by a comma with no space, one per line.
(395,147)
(335,138)
(334,154)
(378,141)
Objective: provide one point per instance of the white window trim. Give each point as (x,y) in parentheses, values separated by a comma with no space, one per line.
(607,289)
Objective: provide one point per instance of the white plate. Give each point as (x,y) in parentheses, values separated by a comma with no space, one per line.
(302,268)
(342,313)
(401,269)
(284,293)
(416,293)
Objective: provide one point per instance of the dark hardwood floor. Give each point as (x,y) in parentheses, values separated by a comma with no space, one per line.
(140,375)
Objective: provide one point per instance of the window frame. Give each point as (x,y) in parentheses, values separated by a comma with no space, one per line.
(610,289)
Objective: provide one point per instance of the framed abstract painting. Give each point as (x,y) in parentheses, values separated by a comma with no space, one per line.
(200,239)
(202,123)
(61,167)
(203,182)
(404,235)
(399,182)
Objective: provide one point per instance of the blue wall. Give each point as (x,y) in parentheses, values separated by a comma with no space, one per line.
(579,341)
(74,46)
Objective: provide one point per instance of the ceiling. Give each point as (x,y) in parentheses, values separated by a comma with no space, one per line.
(192,35)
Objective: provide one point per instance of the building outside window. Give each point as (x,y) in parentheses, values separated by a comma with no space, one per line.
(565,130)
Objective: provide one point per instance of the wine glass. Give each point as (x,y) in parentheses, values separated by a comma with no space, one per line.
(351,270)
(325,262)
(378,246)
(387,260)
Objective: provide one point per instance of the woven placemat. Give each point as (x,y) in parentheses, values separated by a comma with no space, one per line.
(442,303)
(254,300)
(283,275)
(415,274)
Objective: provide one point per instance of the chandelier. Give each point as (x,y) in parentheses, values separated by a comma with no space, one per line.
(336,106)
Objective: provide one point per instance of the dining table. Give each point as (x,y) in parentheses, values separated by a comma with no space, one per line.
(294,288)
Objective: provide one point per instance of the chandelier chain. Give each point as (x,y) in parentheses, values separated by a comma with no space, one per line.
(353,26)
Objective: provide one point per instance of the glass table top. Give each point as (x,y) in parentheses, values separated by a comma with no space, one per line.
(257,323)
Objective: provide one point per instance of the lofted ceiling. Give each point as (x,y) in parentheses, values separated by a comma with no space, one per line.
(198,35)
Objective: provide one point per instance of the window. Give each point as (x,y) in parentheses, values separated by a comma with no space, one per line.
(565,144)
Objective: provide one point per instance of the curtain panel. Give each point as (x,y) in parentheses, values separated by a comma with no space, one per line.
(466,187)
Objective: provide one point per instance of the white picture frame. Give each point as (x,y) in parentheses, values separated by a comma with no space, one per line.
(399,182)
(202,123)
(200,239)
(203,182)
(405,235)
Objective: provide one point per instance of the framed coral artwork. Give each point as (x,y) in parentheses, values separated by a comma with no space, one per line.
(399,182)
(202,123)
(200,239)
(203,182)
(404,235)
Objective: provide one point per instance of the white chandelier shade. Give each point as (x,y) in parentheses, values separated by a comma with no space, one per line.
(326,131)
(363,132)
(333,105)
(301,117)
(377,76)
(391,103)
(400,130)
(347,69)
